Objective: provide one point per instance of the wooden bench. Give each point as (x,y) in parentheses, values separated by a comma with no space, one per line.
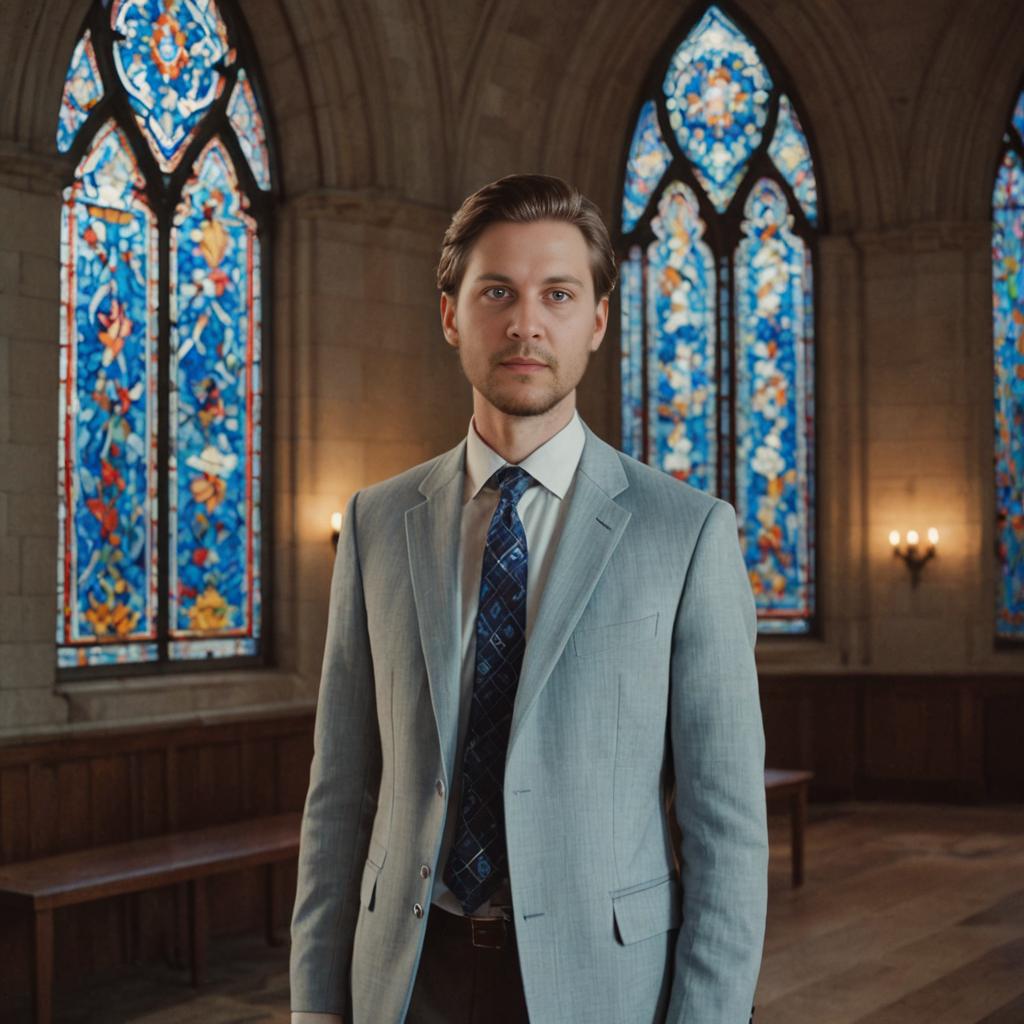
(41,886)
(791,786)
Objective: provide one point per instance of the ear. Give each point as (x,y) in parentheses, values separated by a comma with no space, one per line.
(451,331)
(600,323)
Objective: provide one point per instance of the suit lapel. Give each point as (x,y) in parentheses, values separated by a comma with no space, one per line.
(593,526)
(432,531)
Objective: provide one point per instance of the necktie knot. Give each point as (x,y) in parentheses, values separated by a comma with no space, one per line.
(514,482)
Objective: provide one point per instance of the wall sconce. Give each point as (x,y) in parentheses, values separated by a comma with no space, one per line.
(911,554)
(335,529)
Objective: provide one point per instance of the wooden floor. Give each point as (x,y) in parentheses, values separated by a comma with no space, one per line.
(910,915)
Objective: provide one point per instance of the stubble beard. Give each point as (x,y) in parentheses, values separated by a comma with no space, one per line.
(536,404)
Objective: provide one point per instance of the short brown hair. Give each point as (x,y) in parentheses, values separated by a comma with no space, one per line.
(522,199)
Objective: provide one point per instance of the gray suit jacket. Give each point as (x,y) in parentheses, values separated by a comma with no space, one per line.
(640,666)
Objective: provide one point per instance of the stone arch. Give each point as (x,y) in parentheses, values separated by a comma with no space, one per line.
(961,112)
(35,67)
(378,94)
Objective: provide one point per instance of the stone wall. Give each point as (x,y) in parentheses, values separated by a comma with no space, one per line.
(386,114)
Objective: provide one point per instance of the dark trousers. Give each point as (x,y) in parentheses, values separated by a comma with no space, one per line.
(459,983)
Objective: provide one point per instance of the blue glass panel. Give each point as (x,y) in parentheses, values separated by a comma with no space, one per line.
(215,411)
(774,410)
(245,117)
(107,569)
(1008,338)
(82,91)
(681,330)
(648,158)
(167,63)
(1008,191)
(631,354)
(1018,116)
(717,91)
(789,150)
(725,443)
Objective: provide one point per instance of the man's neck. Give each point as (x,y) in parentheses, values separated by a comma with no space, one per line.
(516,437)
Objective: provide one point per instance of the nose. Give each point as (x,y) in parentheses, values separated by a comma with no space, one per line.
(524,320)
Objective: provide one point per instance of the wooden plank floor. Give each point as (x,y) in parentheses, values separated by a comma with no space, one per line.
(909,915)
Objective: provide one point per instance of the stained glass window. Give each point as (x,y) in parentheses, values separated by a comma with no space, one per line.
(790,153)
(681,355)
(82,91)
(1008,336)
(648,158)
(716,93)
(170,63)
(215,415)
(161,384)
(774,395)
(108,549)
(719,219)
(244,113)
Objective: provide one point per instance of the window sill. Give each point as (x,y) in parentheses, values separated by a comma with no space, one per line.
(185,698)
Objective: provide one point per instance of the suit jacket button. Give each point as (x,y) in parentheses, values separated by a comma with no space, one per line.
(439,786)
(417,910)
(424,871)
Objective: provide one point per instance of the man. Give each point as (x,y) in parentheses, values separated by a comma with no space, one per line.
(530,637)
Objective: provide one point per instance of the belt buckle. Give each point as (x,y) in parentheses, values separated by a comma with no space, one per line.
(488,932)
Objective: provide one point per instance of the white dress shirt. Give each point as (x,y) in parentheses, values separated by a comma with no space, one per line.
(542,510)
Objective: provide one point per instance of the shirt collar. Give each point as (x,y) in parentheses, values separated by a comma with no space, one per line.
(552,465)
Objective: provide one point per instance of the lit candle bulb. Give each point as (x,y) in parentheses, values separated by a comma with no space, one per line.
(894,538)
(336,522)
(933,536)
(912,537)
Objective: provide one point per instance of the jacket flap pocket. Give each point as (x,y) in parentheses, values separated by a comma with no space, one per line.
(368,886)
(586,642)
(648,911)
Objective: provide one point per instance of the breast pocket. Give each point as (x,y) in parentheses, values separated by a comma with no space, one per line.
(649,909)
(371,871)
(601,639)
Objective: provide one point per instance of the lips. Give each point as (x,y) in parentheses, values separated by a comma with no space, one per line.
(522,362)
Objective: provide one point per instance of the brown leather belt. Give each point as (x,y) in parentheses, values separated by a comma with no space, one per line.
(481,932)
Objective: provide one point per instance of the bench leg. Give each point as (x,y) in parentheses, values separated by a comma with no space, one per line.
(197,929)
(798,817)
(42,966)
(271,892)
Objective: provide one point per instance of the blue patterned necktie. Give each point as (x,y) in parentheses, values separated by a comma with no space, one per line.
(478,862)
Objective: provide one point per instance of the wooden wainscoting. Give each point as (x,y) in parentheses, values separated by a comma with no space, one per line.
(956,739)
(952,738)
(58,795)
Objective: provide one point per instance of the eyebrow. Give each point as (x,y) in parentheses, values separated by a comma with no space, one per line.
(554,279)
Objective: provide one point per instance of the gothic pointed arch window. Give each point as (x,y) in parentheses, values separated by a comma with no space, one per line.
(717,240)
(1008,353)
(163,271)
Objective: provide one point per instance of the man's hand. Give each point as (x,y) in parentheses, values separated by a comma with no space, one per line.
(316,1018)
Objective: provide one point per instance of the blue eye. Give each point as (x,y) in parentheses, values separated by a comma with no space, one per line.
(494,290)
(560,296)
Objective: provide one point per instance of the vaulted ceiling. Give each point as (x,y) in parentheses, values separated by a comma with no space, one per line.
(424,100)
